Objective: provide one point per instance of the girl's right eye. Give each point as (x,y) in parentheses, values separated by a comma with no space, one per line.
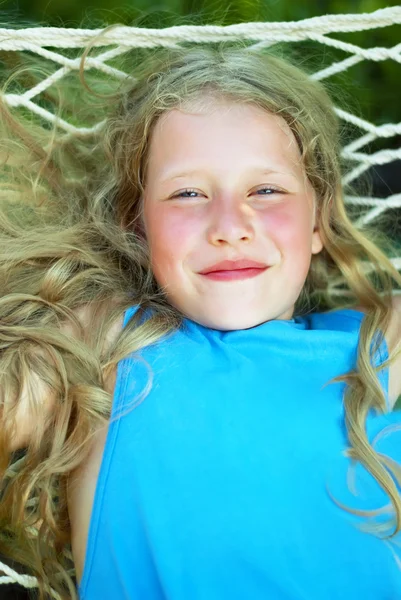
(186,192)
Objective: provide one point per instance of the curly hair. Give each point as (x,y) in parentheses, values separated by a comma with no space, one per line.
(71,236)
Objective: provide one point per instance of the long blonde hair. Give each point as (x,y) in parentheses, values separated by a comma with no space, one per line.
(71,236)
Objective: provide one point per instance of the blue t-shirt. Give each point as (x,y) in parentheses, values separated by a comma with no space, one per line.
(218,484)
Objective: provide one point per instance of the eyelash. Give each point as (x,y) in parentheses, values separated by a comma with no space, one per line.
(272,189)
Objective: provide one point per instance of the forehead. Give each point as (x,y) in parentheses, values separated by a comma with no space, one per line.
(221,134)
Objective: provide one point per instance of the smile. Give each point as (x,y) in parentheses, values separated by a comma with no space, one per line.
(235,274)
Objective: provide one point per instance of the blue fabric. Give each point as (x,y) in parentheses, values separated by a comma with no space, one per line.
(216,485)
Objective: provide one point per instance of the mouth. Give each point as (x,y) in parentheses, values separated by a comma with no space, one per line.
(234,274)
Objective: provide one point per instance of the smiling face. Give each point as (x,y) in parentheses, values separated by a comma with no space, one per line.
(248,198)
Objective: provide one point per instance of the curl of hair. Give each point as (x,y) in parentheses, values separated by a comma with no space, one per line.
(72,239)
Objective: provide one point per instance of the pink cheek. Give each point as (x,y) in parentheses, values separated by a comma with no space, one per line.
(180,227)
(171,240)
(280,227)
(292,237)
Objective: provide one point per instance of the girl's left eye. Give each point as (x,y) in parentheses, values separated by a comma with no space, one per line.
(272,191)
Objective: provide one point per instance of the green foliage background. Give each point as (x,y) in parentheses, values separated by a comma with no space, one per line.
(372,87)
(149,13)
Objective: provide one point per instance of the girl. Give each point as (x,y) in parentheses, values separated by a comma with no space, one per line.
(196,406)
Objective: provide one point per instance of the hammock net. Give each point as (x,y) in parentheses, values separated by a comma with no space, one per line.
(335,45)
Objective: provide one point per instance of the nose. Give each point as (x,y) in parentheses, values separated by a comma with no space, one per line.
(231,225)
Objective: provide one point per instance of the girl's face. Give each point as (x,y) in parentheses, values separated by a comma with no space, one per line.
(249,199)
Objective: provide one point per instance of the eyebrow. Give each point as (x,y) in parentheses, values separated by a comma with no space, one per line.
(261,170)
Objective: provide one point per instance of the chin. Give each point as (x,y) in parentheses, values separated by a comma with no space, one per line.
(230,324)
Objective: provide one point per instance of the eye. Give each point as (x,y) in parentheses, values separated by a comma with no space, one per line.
(190,191)
(271,190)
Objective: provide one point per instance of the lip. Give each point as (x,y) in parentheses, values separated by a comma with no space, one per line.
(233,274)
(234,265)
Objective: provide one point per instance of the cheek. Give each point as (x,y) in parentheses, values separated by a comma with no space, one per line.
(290,230)
(171,239)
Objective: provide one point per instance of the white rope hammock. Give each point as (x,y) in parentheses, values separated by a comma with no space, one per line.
(45,42)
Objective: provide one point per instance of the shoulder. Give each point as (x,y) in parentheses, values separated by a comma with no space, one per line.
(393,337)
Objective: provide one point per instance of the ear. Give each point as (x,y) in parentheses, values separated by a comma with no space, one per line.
(317,244)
